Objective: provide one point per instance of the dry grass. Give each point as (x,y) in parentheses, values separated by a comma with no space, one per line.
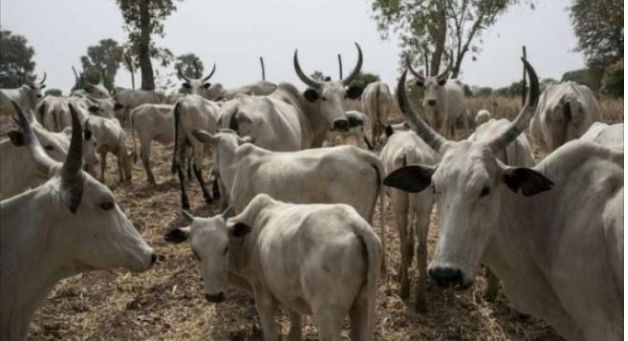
(166,303)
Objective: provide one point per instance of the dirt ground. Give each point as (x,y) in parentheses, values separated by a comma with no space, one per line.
(166,302)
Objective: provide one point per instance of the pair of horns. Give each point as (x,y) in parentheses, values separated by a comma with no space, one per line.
(316,84)
(205,79)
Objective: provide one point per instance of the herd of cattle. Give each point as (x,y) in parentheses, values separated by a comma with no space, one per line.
(297,223)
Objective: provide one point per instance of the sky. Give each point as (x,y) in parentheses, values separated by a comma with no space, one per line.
(234,34)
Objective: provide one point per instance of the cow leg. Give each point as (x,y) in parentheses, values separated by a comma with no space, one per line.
(295,327)
(189,169)
(185,203)
(329,319)
(358,316)
(120,166)
(265,304)
(215,189)
(145,156)
(422,214)
(492,285)
(400,204)
(199,176)
(103,166)
(224,196)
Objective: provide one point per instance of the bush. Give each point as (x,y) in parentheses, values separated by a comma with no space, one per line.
(613,80)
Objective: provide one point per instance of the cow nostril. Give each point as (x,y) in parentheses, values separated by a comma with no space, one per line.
(431,103)
(446,276)
(341,125)
(217,298)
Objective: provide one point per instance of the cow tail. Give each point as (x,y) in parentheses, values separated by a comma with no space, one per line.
(408,159)
(378,166)
(177,114)
(134,153)
(375,252)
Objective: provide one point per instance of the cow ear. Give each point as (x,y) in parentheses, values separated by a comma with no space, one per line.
(17,138)
(178,235)
(87,134)
(442,82)
(389,130)
(88,89)
(354,92)
(311,95)
(204,136)
(327,79)
(207,85)
(117,106)
(419,84)
(43,86)
(240,230)
(528,180)
(187,85)
(93,109)
(413,179)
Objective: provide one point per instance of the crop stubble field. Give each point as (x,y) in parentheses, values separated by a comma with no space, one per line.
(166,303)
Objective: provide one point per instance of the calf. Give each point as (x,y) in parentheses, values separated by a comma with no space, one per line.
(109,137)
(70,224)
(317,259)
(357,123)
(412,211)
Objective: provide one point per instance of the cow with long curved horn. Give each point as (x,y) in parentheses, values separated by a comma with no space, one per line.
(443,100)
(197,86)
(27,96)
(330,95)
(74,226)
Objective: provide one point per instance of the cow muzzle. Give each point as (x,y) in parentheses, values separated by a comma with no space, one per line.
(341,126)
(431,102)
(215,298)
(448,277)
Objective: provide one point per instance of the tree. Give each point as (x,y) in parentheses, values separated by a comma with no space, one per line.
(144,19)
(53,92)
(547,82)
(613,81)
(513,90)
(319,76)
(363,79)
(436,31)
(16,59)
(190,65)
(599,26)
(102,62)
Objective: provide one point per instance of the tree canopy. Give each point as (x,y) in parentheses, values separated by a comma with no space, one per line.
(16,59)
(599,26)
(102,61)
(190,64)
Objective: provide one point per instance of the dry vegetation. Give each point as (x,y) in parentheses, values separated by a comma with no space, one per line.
(166,303)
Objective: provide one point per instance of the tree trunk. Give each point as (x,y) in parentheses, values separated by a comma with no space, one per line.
(439,44)
(148,80)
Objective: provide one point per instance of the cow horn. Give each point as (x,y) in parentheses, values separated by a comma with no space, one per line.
(413,71)
(445,74)
(181,75)
(227,213)
(526,113)
(210,74)
(76,77)
(302,76)
(339,66)
(357,68)
(261,61)
(43,80)
(42,161)
(187,216)
(431,137)
(71,173)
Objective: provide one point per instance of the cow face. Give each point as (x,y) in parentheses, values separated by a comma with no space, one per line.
(564,122)
(433,89)
(330,98)
(102,107)
(201,87)
(97,90)
(54,144)
(211,240)
(468,186)
(85,222)
(35,89)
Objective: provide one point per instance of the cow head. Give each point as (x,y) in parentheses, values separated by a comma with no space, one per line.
(54,144)
(330,95)
(105,107)
(564,121)
(35,89)
(199,86)
(468,185)
(433,87)
(210,241)
(83,218)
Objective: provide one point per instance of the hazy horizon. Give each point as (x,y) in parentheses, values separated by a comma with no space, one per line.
(235,36)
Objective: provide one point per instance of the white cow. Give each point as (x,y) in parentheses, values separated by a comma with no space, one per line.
(558,255)
(357,123)
(317,259)
(89,89)
(482,117)
(109,137)
(70,224)
(190,113)
(606,135)
(564,113)
(129,99)
(412,211)
(377,102)
(443,100)
(54,113)
(26,96)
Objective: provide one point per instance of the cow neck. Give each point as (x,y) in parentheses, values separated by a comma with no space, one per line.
(242,255)
(318,125)
(31,266)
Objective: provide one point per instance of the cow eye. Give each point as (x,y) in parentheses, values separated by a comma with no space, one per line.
(107,205)
(226,250)
(324,98)
(49,148)
(198,258)
(485,191)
